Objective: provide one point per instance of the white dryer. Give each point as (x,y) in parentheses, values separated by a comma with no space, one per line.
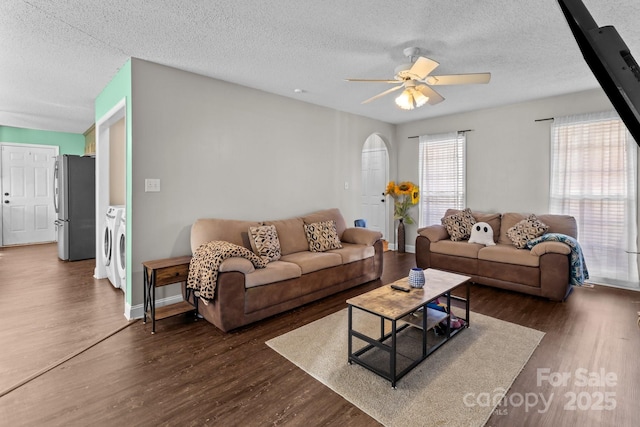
(109,251)
(121,251)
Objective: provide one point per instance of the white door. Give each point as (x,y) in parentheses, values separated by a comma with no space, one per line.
(28,214)
(374,182)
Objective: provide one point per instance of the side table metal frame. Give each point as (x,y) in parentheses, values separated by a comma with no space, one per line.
(150,297)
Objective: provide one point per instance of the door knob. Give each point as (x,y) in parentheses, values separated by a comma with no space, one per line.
(382,200)
(6,201)
(6,194)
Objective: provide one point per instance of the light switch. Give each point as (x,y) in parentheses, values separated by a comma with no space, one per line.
(151,185)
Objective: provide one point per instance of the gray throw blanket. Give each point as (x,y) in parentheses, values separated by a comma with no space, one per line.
(579,272)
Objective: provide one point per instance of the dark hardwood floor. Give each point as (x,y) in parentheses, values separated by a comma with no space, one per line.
(191,374)
(50,309)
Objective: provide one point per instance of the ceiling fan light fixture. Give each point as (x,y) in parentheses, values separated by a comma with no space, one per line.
(419,98)
(423,95)
(411,98)
(415,81)
(405,100)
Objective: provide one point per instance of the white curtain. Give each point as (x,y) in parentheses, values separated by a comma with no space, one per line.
(442,175)
(594,178)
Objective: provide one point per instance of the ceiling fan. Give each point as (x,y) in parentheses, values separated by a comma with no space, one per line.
(415,79)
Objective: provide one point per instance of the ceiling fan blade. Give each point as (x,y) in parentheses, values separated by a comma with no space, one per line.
(422,67)
(373,80)
(459,79)
(434,97)
(380,95)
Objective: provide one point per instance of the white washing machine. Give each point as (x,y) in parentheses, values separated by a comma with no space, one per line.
(121,251)
(112,222)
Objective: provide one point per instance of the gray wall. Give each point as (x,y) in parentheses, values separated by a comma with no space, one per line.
(507,151)
(228,151)
(224,150)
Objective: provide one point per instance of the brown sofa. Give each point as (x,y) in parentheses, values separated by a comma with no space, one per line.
(245,294)
(543,271)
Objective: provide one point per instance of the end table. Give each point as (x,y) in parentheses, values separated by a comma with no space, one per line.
(164,272)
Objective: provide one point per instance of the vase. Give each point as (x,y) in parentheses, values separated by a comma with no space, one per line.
(400,239)
(416,277)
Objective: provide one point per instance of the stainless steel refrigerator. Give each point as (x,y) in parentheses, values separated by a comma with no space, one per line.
(74,194)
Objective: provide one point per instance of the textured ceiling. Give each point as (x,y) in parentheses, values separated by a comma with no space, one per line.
(57,55)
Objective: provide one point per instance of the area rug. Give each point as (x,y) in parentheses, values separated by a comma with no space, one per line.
(459,385)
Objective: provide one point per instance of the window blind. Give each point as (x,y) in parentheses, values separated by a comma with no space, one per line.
(442,175)
(594,179)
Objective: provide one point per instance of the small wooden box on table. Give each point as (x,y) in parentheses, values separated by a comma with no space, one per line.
(162,272)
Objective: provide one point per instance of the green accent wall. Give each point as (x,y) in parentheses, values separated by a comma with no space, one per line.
(68,143)
(120,88)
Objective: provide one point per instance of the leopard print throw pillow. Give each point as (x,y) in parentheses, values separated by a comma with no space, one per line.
(265,243)
(459,225)
(527,229)
(322,236)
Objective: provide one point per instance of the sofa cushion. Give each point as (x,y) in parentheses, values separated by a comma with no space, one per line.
(509,219)
(525,230)
(563,224)
(459,225)
(230,230)
(493,219)
(322,236)
(313,261)
(274,272)
(360,236)
(264,242)
(353,252)
(509,254)
(328,215)
(291,235)
(462,249)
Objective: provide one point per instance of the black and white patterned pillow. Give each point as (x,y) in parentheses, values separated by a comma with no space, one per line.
(322,236)
(459,225)
(265,243)
(527,229)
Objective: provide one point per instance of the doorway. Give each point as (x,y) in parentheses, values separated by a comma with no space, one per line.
(375,174)
(28,212)
(110,128)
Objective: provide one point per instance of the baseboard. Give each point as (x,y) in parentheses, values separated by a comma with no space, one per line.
(137,311)
(127,311)
(407,248)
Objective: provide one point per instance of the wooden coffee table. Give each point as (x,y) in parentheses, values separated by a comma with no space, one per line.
(404,311)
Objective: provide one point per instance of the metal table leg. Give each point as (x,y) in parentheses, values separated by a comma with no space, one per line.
(146,294)
(152,301)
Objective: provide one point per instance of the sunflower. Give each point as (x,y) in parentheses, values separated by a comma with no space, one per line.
(415,195)
(391,189)
(405,194)
(405,188)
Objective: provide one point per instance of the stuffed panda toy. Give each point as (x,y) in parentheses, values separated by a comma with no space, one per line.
(482,233)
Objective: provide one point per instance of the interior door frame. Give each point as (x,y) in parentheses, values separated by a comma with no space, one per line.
(364,150)
(20,144)
(103,127)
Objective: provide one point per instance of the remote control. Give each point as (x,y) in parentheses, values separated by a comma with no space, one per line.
(400,288)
